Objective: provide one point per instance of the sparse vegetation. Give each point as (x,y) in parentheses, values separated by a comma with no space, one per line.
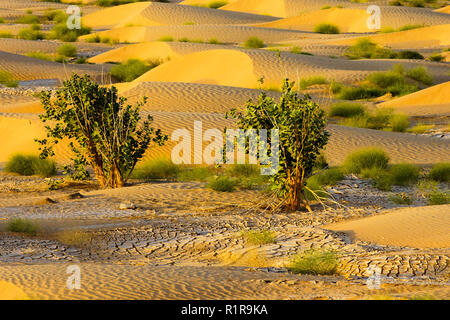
(401,198)
(307,82)
(346,110)
(28,19)
(437,198)
(258,237)
(366,158)
(28,165)
(222,184)
(7,79)
(67,50)
(420,74)
(254,43)
(132,69)
(166,39)
(420,128)
(404,174)
(61,32)
(32,33)
(20,225)
(156,169)
(440,172)
(326,28)
(316,262)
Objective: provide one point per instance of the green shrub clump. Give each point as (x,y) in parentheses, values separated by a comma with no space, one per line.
(254,43)
(156,169)
(259,237)
(326,28)
(440,172)
(346,110)
(132,69)
(67,50)
(420,74)
(404,174)
(307,82)
(7,79)
(22,226)
(366,158)
(222,184)
(61,32)
(316,262)
(28,165)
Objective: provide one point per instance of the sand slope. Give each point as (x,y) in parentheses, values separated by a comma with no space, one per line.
(420,38)
(430,101)
(154,13)
(445,9)
(9,291)
(419,227)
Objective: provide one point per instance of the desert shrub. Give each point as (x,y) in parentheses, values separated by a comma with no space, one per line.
(404,174)
(254,42)
(195,174)
(61,32)
(440,172)
(420,74)
(327,177)
(28,165)
(366,158)
(132,69)
(30,34)
(78,238)
(381,178)
(222,184)
(315,261)
(55,15)
(156,169)
(217,4)
(399,122)
(7,79)
(386,79)
(105,133)
(39,55)
(28,19)
(301,127)
(366,48)
(436,197)
(307,82)
(326,28)
(407,54)
(67,50)
(336,87)
(420,128)
(346,110)
(321,162)
(401,199)
(410,27)
(214,41)
(166,38)
(436,57)
(357,93)
(243,170)
(81,60)
(6,34)
(22,226)
(258,237)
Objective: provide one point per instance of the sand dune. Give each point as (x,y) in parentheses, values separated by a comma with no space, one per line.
(433,36)
(9,291)
(281,8)
(355,19)
(25,68)
(153,14)
(242,68)
(434,100)
(222,33)
(419,227)
(445,9)
(201,2)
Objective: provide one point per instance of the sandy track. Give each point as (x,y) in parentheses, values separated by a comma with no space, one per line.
(420,227)
(153,13)
(25,68)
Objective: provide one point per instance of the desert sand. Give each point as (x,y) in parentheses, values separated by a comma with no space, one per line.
(181,239)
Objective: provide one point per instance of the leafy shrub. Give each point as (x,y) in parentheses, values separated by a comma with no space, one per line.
(222,184)
(57,16)
(346,110)
(156,169)
(259,237)
(420,74)
(22,226)
(254,42)
(401,199)
(316,262)
(366,158)
(440,172)
(61,32)
(28,165)
(307,82)
(67,50)
(132,69)
(404,174)
(326,28)
(7,79)
(407,54)
(30,34)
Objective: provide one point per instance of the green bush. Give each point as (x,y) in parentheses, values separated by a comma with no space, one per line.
(366,158)
(67,50)
(6,34)
(381,178)
(28,19)
(404,174)
(30,34)
(410,27)
(440,172)
(222,184)
(346,110)
(61,32)
(307,82)
(357,93)
(28,165)
(326,178)
(156,169)
(217,4)
(166,38)
(316,262)
(399,122)
(243,170)
(7,79)
(258,237)
(367,49)
(420,74)
(195,174)
(321,162)
(386,79)
(326,28)
(420,128)
(436,197)
(254,42)
(436,57)
(22,226)
(39,55)
(132,69)
(407,54)
(57,16)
